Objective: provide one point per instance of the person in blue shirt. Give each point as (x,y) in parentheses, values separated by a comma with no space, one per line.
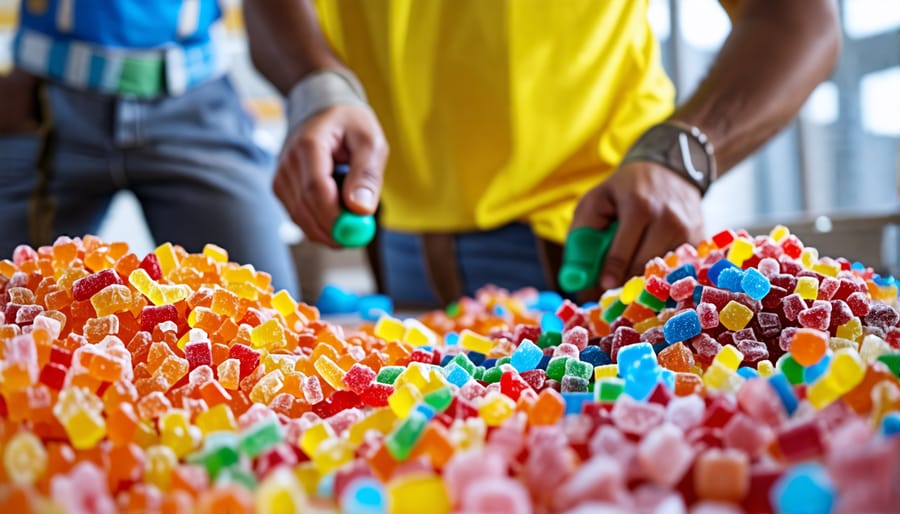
(107,95)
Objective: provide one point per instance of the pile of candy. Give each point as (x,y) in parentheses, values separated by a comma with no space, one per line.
(746,375)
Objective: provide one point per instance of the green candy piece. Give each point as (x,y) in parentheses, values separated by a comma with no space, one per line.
(503,360)
(576,368)
(608,389)
(612,313)
(239,475)
(556,369)
(389,374)
(352,230)
(792,369)
(219,452)
(583,256)
(401,442)
(453,310)
(260,437)
(462,360)
(892,360)
(651,302)
(492,375)
(548,339)
(439,399)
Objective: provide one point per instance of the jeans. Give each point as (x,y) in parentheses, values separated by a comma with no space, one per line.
(189,159)
(506,257)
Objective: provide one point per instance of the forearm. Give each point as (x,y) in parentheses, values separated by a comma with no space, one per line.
(286,42)
(776,54)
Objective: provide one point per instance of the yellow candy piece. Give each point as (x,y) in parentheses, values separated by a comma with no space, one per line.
(268,335)
(605,371)
(845,371)
(218,418)
(496,408)
(839,343)
(809,257)
(283,303)
(330,372)
(873,347)
(851,330)
(381,420)
(280,491)
(177,433)
(719,377)
(314,436)
(239,274)
(160,461)
(730,357)
(765,368)
(403,399)
(827,269)
(417,334)
(24,458)
(416,374)
(741,250)
(268,387)
(308,477)
(779,232)
(647,324)
(609,296)
(735,316)
(389,328)
(216,253)
(331,454)
(475,342)
(632,289)
(111,299)
(409,493)
(168,259)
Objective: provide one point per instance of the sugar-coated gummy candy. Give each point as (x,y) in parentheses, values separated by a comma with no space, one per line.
(182,382)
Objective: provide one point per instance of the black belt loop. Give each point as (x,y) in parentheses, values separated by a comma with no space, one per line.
(41,207)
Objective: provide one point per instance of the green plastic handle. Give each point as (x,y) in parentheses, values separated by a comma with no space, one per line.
(350,230)
(583,256)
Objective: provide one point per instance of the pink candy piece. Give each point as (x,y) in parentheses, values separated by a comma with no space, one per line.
(858,303)
(598,479)
(83,490)
(664,455)
(759,400)
(768,267)
(682,289)
(577,336)
(84,288)
(827,288)
(747,435)
(566,350)
(497,495)
(709,317)
(685,412)
(634,417)
(459,475)
(791,305)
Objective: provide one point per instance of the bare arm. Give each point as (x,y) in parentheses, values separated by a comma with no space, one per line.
(287,46)
(776,53)
(286,42)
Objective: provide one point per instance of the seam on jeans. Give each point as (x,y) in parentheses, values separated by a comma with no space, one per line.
(41,206)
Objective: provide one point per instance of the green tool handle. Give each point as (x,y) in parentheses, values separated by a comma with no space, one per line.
(583,256)
(350,230)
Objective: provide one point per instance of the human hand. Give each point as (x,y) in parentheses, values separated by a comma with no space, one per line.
(20,109)
(303,180)
(657,210)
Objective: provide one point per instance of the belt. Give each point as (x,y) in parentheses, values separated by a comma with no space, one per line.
(133,73)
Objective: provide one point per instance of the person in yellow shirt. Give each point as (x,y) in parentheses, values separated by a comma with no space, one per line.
(512,121)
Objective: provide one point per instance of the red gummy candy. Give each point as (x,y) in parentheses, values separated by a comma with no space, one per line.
(198,353)
(151,316)
(512,385)
(376,395)
(150,264)
(85,287)
(248,357)
(818,316)
(359,378)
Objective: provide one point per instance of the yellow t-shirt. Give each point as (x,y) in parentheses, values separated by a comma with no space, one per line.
(500,110)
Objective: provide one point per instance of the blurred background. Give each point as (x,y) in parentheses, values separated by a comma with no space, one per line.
(833,176)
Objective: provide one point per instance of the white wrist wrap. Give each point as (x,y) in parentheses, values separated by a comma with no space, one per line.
(320,90)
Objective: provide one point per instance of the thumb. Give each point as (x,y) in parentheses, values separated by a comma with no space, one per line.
(362,187)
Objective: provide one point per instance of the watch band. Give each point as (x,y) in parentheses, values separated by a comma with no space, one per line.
(680,147)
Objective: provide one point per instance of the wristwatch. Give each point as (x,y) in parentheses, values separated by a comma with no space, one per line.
(682,148)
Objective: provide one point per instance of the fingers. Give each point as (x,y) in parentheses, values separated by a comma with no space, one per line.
(287,189)
(318,191)
(362,187)
(632,225)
